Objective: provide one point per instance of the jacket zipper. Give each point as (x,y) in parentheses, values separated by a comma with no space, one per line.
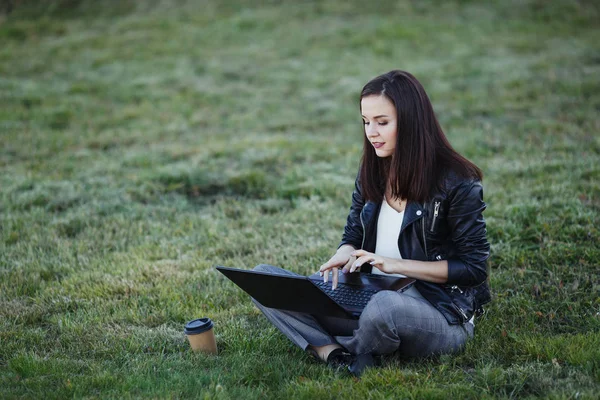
(362,245)
(457,308)
(424,238)
(454,287)
(436,211)
(460,310)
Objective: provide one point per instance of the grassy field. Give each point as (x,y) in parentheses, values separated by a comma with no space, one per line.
(143,143)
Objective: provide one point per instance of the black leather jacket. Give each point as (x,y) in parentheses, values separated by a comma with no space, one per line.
(448,227)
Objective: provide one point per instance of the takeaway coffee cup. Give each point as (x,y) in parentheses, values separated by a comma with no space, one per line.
(201,336)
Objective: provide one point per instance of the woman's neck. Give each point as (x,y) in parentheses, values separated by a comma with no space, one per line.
(394,202)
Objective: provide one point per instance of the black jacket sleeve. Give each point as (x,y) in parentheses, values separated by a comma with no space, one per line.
(353,231)
(468,234)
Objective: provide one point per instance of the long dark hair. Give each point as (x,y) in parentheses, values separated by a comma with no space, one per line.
(422,156)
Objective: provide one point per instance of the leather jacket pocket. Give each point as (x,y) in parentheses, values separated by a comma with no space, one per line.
(435,214)
(462,301)
(436,225)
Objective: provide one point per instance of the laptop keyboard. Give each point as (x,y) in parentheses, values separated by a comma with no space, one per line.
(346,294)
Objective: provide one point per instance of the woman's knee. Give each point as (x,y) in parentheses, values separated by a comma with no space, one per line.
(388,308)
(384,300)
(379,308)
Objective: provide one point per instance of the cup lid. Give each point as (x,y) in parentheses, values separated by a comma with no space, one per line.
(197,326)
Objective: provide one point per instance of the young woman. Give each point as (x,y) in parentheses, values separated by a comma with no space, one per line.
(416,211)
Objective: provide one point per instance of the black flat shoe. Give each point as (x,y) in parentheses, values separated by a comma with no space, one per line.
(354,364)
(360,363)
(339,358)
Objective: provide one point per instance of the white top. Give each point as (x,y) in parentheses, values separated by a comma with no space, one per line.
(389,224)
(388,230)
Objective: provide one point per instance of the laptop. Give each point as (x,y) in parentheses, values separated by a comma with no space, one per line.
(309,294)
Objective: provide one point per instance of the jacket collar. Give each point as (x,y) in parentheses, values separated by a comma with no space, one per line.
(412,212)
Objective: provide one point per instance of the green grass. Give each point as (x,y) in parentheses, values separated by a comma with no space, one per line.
(143,143)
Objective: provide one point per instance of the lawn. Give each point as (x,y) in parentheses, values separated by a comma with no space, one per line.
(142,143)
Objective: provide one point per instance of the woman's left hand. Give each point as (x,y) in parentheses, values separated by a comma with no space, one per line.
(384,264)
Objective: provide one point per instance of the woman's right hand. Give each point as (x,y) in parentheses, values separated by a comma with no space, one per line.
(341,259)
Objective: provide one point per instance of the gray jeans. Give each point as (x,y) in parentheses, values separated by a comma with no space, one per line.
(391,322)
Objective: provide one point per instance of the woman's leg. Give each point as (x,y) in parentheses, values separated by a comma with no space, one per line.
(301,328)
(395,321)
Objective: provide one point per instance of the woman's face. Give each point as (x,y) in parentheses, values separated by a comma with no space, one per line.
(379,118)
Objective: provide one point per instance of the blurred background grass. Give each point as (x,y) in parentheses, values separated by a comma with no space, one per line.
(142,143)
